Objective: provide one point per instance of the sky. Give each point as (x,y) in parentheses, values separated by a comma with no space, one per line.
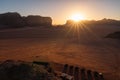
(61,10)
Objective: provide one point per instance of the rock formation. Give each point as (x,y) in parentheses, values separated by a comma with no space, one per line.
(115,35)
(38,21)
(11,19)
(14,19)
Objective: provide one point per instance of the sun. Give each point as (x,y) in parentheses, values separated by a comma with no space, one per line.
(77,17)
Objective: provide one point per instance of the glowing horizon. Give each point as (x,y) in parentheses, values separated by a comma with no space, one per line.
(77,17)
(61,10)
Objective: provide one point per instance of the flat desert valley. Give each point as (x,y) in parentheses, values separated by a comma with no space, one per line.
(87,47)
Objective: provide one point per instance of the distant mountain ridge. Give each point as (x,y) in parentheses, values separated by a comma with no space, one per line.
(104,21)
(14,19)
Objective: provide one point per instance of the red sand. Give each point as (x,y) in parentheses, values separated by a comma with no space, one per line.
(90,50)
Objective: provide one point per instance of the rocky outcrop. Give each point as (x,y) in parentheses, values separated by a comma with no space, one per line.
(14,19)
(115,35)
(11,19)
(38,20)
(20,70)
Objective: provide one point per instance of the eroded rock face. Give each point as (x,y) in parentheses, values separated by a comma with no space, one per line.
(38,21)
(11,19)
(14,19)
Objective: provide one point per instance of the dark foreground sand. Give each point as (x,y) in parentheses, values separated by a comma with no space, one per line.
(90,50)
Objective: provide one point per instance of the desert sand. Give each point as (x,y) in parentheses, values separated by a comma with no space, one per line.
(88,48)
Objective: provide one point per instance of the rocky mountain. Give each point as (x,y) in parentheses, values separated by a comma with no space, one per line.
(14,19)
(105,22)
(11,19)
(38,21)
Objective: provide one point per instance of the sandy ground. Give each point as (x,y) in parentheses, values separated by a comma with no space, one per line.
(90,50)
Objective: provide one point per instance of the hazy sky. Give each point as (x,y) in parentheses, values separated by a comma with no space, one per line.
(61,10)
